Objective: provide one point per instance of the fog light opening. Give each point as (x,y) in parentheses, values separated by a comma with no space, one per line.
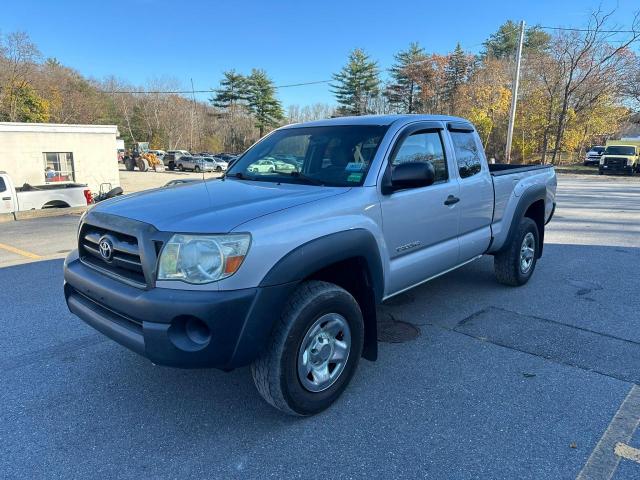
(197,331)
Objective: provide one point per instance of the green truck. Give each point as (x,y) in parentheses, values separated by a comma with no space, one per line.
(621,156)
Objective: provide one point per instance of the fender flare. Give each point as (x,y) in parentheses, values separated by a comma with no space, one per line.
(528,198)
(324,251)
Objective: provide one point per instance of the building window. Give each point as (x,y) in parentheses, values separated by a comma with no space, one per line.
(58,167)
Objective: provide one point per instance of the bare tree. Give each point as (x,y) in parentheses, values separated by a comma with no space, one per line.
(587,65)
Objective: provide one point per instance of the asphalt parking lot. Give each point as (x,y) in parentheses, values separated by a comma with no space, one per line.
(537,382)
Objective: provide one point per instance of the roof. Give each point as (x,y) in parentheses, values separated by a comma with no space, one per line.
(57,128)
(378,120)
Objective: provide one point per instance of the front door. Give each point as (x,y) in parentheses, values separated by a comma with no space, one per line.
(6,197)
(421,224)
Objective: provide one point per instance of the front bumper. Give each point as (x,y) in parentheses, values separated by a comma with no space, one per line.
(180,328)
(591,161)
(616,168)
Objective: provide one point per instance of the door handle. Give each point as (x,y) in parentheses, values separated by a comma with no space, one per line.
(451,200)
(6,198)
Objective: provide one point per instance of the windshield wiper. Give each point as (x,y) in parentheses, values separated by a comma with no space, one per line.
(309,180)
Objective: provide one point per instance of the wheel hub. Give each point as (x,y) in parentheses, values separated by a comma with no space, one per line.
(324,352)
(527,252)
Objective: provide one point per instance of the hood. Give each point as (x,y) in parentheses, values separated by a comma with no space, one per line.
(214,206)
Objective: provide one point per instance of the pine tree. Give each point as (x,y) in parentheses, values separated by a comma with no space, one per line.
(456,74)
(404,91)
(262,102)
(233,91)
(356,84)
(504,42)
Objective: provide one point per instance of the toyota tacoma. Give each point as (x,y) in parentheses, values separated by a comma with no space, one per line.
(282,270)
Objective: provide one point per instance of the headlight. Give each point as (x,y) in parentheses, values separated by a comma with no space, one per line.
(601,160)
(202,258)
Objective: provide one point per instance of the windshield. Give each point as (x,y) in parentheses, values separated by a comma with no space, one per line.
(334,156)
(596,150)
(620,150)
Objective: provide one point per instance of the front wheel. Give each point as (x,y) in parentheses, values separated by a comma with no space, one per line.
(515,265)
(196,169)
(313,350)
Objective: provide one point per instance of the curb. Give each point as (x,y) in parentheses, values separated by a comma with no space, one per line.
(47,212)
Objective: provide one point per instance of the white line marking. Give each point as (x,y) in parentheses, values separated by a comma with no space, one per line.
(625,451)
(603,461)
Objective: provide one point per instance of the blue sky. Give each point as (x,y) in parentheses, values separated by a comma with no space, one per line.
(294,41)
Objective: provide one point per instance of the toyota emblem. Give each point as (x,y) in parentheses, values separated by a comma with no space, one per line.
(106,249)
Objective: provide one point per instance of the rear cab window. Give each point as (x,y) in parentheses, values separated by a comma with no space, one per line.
(468,153)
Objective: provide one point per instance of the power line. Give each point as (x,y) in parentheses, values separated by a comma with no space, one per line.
(590,30)
(211,90)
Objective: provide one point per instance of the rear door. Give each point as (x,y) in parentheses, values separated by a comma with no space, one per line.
(476,191)
(8,202)
(420,224)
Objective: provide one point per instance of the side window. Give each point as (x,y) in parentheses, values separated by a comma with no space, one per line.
(3,187)
(467,153)
(424,147)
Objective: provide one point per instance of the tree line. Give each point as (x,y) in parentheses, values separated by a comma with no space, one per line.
(578,87)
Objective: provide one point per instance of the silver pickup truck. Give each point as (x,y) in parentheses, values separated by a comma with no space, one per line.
(282,270)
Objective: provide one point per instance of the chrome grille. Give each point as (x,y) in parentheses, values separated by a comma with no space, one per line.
(124,260)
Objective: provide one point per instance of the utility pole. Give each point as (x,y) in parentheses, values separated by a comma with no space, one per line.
(514,95)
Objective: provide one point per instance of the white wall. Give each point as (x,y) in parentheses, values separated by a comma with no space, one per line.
(93,147)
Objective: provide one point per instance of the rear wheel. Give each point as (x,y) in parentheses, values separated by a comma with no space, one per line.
(129,164)
(515,265)
(180,167)
(313,350)
(196,169)
(172,166)
(218,169)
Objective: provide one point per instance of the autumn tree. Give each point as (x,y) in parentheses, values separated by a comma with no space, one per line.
(356,84)
(588,67)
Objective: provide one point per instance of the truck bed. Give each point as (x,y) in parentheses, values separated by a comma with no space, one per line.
(498,169)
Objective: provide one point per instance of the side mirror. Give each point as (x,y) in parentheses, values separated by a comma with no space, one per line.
(409,175)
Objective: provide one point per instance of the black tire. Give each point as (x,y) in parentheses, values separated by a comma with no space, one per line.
(507,264)
(143,165)
(196,169)
(129,164)
(218,169)
(180,167)
(172,166)
(275,372)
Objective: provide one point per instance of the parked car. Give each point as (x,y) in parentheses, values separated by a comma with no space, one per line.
(34,197)
(227,157)
(283,271)
(592,157)
(195,164)
(262,166)
(620,159)
(219,164)
(172,156)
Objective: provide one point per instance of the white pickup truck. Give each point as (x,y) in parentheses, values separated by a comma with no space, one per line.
(54,195)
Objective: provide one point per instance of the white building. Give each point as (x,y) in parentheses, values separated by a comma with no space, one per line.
(39,153)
